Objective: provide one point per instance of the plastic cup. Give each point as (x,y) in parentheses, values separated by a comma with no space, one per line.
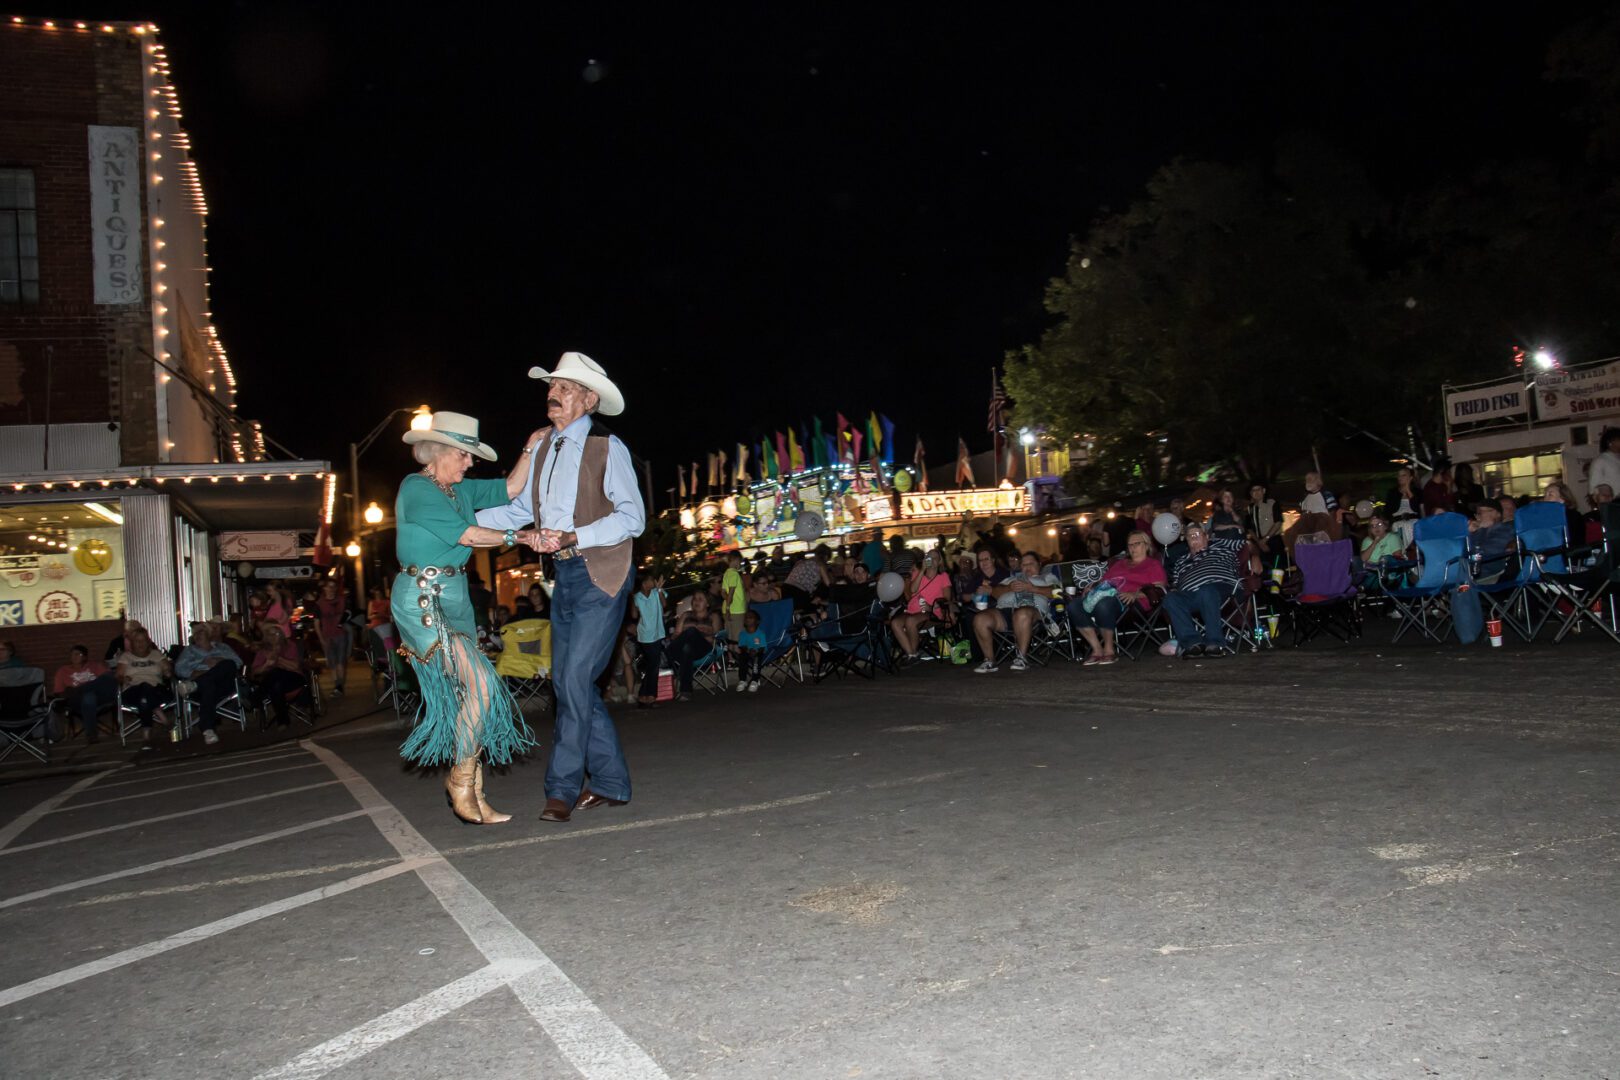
(1071,590)
(1277,576)
(1271,625)
(981,601)
(1493,627)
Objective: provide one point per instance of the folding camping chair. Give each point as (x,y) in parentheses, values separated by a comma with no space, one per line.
(1539,529)
(392,679)
(847,643)
(712,674)
(1326,603)
(1060,638)
(524,662)
(1425,605)
(782,659)
(128,718)
(1139,629)
(25,714)
(1588,589)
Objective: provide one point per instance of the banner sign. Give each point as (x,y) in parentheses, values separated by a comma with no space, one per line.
(877,508)
(977,501)
(1500,401)
(269,546)
(1589,391)
(19,562)
(115,215)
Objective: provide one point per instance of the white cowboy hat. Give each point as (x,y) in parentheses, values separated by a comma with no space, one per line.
(453,429)
(577,367)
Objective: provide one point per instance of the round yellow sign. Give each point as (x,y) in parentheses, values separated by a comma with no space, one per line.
(93,557)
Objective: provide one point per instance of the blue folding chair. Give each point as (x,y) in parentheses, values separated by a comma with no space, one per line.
(1586,587)
(782,659)
(1425,605)
(1543,545)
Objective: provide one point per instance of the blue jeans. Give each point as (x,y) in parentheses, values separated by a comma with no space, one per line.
(1206,600)
(584,626)
(1104,616)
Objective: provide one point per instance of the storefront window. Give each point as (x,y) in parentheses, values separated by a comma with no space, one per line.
(62,562)
(1526,475)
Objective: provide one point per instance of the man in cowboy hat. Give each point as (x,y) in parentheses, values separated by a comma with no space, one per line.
(582,494)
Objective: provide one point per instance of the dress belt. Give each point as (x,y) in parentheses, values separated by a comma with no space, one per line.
(430,572)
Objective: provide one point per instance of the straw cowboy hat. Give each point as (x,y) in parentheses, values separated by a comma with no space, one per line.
(577,367)
(453,429)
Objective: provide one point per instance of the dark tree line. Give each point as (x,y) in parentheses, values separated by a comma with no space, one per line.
(1238,314)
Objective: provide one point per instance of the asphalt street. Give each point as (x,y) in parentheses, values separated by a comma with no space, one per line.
(1333,862)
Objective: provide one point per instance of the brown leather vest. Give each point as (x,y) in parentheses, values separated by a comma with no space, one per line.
(608,566)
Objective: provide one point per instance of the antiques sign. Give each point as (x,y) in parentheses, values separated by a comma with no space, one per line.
(978,501)
(235,546)
(115,214)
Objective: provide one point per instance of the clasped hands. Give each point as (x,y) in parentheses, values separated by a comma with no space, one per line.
(545,541)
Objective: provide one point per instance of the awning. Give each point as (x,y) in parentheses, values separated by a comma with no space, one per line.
(223,497)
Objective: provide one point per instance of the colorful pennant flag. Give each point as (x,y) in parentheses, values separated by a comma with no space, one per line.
(964,464)
(918,459)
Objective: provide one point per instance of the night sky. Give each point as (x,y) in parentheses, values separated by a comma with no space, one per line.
(751,217)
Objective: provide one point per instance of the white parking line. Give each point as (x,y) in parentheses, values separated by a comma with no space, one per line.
(179,860)
(14,828)
(23,991)
(205,759)
(596,1046)
(336,1053)
(140,779)
(185,787)
(164,817)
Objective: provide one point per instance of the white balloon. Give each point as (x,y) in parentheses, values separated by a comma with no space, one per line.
(891,587)
(1166,529)
(1364,509)
(809,525)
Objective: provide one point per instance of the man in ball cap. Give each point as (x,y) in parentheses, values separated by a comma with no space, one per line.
(581,492)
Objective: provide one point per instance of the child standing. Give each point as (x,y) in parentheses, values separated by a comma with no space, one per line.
(750,653)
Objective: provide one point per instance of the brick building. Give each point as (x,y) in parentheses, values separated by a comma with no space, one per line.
(122,456)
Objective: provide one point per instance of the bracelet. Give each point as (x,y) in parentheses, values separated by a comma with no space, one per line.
(528,449)
(509,537)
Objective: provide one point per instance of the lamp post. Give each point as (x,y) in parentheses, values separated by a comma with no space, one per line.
(421,420)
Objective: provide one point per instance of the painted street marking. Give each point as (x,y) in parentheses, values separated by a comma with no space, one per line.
(179,860)
(239,756)
(352,1045)
(24,991)
(593,1044)
(243,879)
(14,828)
(141,779)
(185,787)
(166,817)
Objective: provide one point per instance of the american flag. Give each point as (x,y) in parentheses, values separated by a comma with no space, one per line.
(998,404)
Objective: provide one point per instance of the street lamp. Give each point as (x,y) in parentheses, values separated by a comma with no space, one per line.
(374,514)
(421,420)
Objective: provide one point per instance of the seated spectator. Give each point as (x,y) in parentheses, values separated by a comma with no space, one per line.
(85,687)
(762,589)
(8,655)
(1021,599)
(1178,508)
(1124,582)
(1144,520)
(1574,523)
(116,647)
(539,602)
(522,608)
(277,675)
(1510,507)
(1467,493)
(1381,541)
(213,667)
(855,594)
(750,653)
(928,592)
(693,639)
(376,606)
(1493,539)
(141,671)
(1203,581)
(1225,520)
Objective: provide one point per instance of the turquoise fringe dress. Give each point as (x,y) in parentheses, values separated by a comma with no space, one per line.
(467,711)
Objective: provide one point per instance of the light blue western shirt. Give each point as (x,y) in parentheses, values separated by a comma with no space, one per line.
(559,487)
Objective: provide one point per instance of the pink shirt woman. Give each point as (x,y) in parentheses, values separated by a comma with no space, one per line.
(927,589)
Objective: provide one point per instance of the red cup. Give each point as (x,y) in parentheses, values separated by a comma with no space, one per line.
(1493,627)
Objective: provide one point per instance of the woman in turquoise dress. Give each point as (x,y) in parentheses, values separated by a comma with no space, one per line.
(467,713)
